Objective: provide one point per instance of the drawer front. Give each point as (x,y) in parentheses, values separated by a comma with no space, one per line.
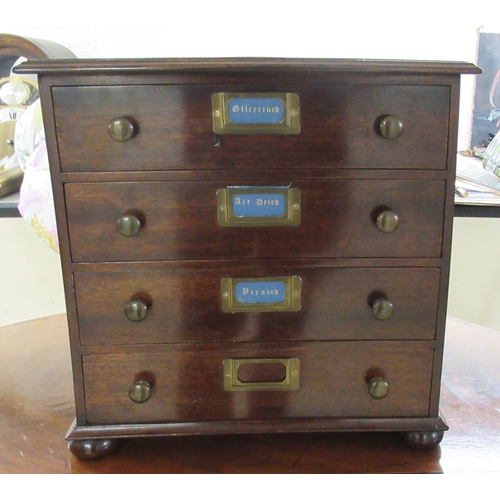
(187,383)
(180,220)
(173,128)
(187,306)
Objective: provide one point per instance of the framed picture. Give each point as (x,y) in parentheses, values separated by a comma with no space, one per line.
(486,114)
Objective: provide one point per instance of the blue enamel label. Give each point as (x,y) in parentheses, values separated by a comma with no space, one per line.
(260,292)
(259,205)
(256,110)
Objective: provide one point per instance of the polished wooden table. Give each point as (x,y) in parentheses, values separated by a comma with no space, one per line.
(36,410)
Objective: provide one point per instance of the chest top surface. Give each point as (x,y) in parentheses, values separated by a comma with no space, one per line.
(98,66)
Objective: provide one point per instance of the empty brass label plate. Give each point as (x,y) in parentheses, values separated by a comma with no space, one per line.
(256,113)
(276,294)
(240,206)
(289,383)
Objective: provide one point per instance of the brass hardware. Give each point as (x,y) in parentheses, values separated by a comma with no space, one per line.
(122,129)
(10,180)
(128,225)
(136,310)
(274,294)
(387,221)
(390,127)
(382,309)
(284,202)
(258,113)
(290,381)
(378,388)
(140,392)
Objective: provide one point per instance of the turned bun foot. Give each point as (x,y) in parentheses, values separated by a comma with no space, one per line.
(89,449)
(423,440)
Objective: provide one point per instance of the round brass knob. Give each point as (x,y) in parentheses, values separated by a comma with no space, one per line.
(382,309)
(128,225)
(390,127)
(136,310)
(121,129)
(140,392)
(378,388)
(387,221)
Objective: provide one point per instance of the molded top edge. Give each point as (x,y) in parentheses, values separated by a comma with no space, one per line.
(98,66)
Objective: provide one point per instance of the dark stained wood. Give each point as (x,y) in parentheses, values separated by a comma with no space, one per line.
(181,221)
(185,306)
(346,174)
(249,64)
(35,417)
(37,397)
(423,440)
(91,449)
(189,384)
(262,426)
(238,177)
(32,48)
(337,129)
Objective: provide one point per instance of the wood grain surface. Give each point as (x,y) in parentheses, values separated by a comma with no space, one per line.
(175,129)
(180,221)
(185,305)
(36,410)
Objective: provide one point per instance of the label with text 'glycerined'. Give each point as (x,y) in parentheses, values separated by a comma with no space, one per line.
(256,110)
(256,113)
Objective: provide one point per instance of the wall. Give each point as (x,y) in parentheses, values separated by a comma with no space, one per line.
(30,280)
(435,30)
(31,284)
(474,292)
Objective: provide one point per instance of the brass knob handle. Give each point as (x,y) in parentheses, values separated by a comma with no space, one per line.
(140,392)
(122,129)
(382,309)
(378,388)
(136,310)
(128,225)
(390,127)
(387,221)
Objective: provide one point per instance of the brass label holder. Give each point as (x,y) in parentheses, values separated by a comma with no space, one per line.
(289,383)
(275,294)
(258,206)
(256,113)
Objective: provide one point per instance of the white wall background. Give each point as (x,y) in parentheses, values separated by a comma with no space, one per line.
(30,279)
(427,30)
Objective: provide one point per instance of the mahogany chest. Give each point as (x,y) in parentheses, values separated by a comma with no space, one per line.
(253,245)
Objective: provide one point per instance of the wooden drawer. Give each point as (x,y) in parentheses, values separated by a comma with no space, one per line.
(180,221)
(186,306)
(175,128)
(330,380)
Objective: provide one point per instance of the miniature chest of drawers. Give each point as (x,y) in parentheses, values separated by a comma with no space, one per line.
(253,245)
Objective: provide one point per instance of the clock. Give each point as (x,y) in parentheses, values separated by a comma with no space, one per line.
(16,94)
